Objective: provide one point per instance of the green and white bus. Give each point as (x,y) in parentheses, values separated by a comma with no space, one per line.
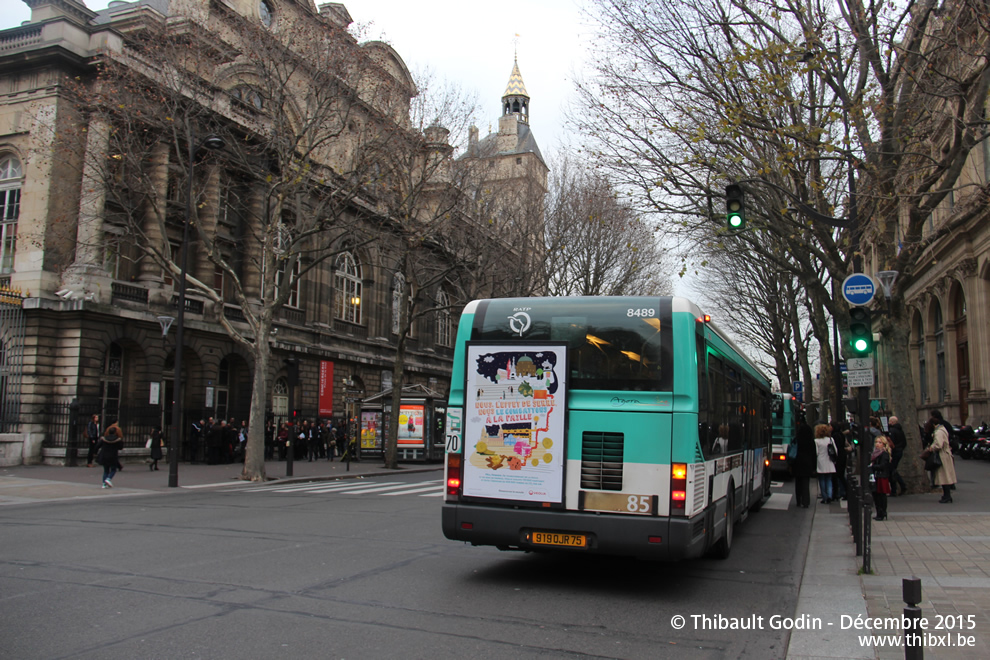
(784,413)
(614,425)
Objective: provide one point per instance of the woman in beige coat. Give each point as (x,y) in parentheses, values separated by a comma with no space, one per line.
(945,475)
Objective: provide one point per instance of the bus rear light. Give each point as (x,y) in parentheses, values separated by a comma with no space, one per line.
(453,475)
(654,539)
(678,489)
(467,525)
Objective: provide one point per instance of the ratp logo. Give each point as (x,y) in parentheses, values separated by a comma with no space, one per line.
(519,323)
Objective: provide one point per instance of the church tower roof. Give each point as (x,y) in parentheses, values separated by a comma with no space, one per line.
(516,86)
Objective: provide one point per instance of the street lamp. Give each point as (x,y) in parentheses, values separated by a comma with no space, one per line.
(212,142)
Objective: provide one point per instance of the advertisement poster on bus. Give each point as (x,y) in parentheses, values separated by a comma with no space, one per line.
(411,424)
(514,422)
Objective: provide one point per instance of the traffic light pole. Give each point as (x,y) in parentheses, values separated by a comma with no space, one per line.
(865,449)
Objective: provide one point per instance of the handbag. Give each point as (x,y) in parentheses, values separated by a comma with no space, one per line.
(933,461)
(147,445)
(832,454)
(792,451)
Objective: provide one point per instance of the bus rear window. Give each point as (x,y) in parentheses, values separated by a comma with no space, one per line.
(613,343)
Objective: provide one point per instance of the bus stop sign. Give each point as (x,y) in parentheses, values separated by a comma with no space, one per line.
(858,289)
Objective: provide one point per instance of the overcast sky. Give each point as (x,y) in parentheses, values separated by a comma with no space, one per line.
(471,45)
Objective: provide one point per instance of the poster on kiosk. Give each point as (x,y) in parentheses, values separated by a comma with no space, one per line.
(514,422)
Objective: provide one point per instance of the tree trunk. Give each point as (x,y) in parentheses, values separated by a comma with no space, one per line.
(897,335)
(254,456)
(398,367)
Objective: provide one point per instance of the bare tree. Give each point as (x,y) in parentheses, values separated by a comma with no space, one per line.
(868,112)
(594,244)
(303,112)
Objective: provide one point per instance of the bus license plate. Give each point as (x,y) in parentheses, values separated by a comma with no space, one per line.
(556,538)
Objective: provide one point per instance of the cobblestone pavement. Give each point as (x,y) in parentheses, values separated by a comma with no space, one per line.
(947,546)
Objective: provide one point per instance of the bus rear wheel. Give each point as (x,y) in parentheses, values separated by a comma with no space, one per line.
(723,546)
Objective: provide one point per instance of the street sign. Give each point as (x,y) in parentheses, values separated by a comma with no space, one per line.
(858,289)
(860,363)
(860,378)
(797,386)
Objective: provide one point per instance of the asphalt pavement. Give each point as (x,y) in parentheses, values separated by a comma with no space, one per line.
(947,546)
(24,484)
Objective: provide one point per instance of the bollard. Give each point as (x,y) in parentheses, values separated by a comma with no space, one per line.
(914,648)
(855,497)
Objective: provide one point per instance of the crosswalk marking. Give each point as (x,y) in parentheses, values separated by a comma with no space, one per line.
(433,488)
(384,488)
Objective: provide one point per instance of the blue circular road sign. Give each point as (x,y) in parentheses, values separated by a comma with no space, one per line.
(858,289)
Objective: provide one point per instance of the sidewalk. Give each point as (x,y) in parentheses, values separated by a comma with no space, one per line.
(946,545)
(24,484)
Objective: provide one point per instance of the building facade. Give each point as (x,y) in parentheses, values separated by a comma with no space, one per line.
(91,309)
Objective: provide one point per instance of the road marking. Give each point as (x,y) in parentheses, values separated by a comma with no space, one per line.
(384,488)
(779,501)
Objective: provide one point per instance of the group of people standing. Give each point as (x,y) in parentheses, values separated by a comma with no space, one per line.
(309,440)
(221,442)
(826,449)
(821,451)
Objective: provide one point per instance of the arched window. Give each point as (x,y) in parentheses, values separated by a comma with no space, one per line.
(111,382)
(940,353)
(347,288)
(11,180)
(443,319)
(248,97)
(280,401)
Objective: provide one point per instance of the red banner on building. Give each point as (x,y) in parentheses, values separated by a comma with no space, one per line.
(326,389)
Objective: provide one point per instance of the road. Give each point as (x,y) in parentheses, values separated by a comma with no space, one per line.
(361,570)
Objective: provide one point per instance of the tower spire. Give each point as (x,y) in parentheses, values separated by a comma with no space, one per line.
(515,100)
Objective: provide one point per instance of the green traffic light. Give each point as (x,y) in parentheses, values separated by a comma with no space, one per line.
(735,221)
(861,345)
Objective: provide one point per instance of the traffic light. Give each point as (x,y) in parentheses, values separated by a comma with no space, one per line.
(860,331)
(735,208)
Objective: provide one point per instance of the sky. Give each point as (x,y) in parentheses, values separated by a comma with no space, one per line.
(471,45)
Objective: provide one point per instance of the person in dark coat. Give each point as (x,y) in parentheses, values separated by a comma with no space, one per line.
(803,465)
(899,440)
(880,464)
(156,448)
(840,434)
(109,447)
(92,438)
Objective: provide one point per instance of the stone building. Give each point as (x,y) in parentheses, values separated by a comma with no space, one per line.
(96,305)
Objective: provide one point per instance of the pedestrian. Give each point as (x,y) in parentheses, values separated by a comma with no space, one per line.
(313,441)
(156,448)
(840,436)
(826,455)
(945,473)
(107,453)
(283,441)
(195,436)
(93,438)
(880,466)
(332,442)
(804,463)
(899,441)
